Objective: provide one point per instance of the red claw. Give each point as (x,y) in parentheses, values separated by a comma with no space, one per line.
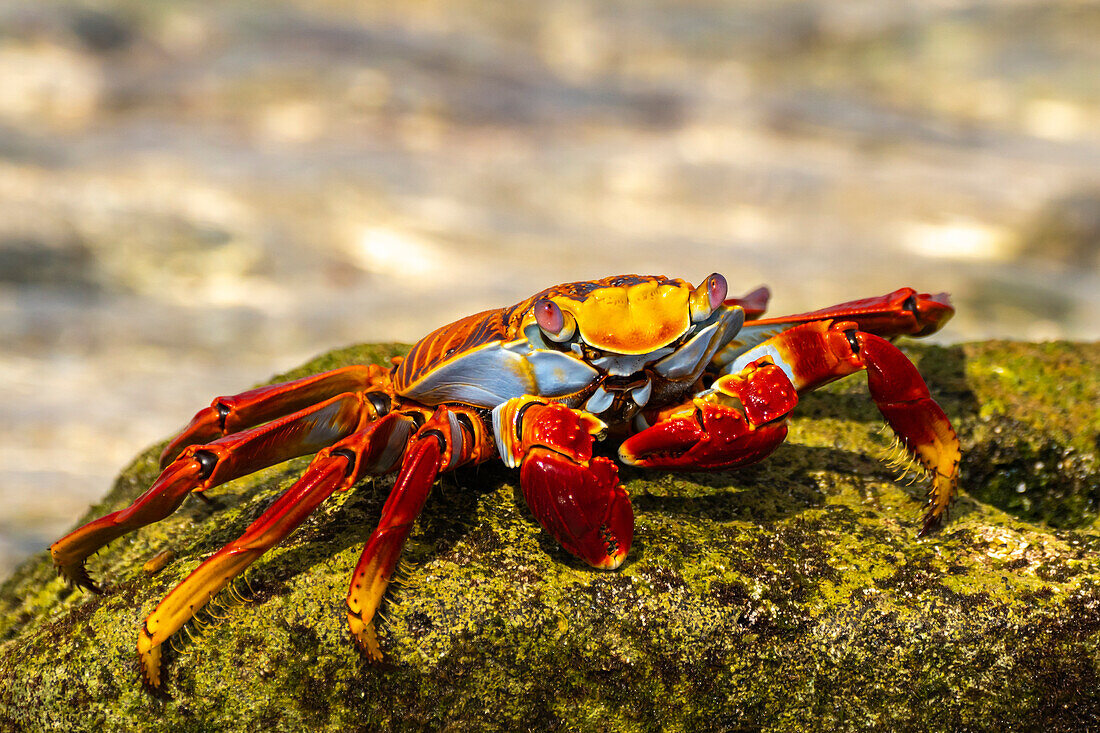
(741,421)
(583,507)
(575,497)
(819,351)
(724,439)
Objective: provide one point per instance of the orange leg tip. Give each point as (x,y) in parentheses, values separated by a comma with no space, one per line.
(943,490)
(363,634)
(72,569)
(159,561)
(149,655)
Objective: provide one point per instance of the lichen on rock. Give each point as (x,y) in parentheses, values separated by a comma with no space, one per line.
(790,595)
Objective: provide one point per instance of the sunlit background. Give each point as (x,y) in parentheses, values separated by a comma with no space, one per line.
(195,196)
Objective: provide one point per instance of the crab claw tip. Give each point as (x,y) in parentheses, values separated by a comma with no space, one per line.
(613,560)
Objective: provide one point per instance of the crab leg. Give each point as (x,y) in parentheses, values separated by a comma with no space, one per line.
(233,413)
(904,312)
(575,497)
(920,424)
(819,352)
(201,467)
(754,303)
(451,437)
(373,450)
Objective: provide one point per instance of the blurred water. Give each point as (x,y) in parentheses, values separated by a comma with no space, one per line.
(194,197)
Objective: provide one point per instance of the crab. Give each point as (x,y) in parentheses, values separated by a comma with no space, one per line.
(680,377)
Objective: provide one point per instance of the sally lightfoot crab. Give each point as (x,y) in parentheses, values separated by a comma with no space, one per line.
(683,376)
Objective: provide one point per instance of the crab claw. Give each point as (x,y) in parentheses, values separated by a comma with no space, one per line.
(920,424)
(716,438)
(737,422)
(575,497)
(583,506)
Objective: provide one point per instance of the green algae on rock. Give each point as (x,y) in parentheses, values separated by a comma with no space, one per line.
(790,595)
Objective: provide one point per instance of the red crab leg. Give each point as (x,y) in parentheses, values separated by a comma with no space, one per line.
(201,467)
(819,352)
(740,420)
(374,450)
(904,312)
(451,437)
(920,424)
(233,413)
(754,304)
(576,498)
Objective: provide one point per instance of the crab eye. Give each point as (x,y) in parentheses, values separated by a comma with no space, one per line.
(707,297)
(556,325)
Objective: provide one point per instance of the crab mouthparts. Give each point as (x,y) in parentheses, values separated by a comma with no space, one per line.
(638,387)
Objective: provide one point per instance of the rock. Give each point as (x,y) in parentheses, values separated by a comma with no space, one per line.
(792,595)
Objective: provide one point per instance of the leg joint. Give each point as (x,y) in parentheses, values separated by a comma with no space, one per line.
(207,461)
(350,456)
(380,401)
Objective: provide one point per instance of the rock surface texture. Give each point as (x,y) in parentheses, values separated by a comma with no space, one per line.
(792,595)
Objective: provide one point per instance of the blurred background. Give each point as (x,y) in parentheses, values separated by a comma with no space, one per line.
(195,196)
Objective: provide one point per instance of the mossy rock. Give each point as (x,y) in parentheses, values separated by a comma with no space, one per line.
(794,595)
